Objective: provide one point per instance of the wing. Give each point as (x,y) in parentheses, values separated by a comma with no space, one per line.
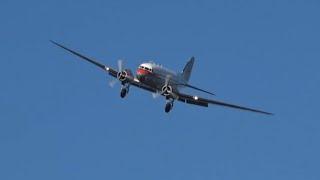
(111,71)
(205,103)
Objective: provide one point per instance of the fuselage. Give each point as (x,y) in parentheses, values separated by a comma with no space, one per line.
(155,75)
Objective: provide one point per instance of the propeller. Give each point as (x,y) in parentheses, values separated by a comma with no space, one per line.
(121,74)
(166,89)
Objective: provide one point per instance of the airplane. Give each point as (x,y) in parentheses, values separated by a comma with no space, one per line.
(160,81)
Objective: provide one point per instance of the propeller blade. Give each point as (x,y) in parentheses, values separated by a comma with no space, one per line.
(120,65)
(156,95)
(113,82)
(167,80)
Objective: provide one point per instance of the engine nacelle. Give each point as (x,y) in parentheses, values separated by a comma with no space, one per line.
(125,75)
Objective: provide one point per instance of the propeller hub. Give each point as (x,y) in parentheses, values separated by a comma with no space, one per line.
(166,90)
(122,76)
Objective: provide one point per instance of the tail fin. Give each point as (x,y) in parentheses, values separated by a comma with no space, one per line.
(186,73)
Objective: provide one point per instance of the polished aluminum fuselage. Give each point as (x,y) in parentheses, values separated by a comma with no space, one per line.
(156,77)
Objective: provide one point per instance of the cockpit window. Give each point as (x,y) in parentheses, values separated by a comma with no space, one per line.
(145,68)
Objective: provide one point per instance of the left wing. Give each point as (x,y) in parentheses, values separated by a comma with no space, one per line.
(195,100)
(111,71)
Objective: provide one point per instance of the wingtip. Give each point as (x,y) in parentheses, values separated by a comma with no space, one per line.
(267,113)
(53,42)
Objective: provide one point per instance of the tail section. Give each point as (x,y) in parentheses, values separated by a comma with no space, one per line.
(186,73)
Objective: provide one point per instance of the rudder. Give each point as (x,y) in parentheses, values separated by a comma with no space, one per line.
(186,73)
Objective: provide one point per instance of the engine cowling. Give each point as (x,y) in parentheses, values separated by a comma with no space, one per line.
(125,76)
(167,90)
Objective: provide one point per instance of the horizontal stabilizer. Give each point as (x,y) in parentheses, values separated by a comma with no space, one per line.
(198,89)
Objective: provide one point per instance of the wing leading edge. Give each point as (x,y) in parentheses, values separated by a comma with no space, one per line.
(111,71)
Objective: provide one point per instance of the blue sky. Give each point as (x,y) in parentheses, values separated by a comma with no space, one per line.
(59,119)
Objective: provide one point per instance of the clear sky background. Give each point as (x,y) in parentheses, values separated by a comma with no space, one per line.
(59,119)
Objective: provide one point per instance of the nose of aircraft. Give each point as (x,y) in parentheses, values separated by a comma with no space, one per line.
(141,73)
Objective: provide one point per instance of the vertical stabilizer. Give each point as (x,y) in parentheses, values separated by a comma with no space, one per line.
(186,73)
